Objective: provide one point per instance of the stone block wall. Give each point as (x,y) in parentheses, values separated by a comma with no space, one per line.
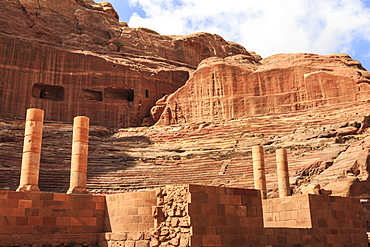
(122,239)
(293,237)
(338,219)
(324,221)
(291,212)
(28,218)
(130,212)
(225,216)
(186,215)
(129,218)
(366,209)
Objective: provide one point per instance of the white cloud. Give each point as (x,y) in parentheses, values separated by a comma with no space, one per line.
(265,26)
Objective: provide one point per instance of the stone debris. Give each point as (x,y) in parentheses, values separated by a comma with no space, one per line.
(171,216)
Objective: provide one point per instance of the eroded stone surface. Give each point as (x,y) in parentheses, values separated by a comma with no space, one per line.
(90,64)
(171,217)
(74,58)
(240,85)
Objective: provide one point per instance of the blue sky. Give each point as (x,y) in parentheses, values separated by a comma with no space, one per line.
(265,26)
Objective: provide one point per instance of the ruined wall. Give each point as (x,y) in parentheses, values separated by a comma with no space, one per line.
(172,220)
(233,217)
(186,215)
(32,218)
(67,83)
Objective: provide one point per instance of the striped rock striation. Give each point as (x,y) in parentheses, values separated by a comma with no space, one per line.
(241,85)
(323,147)
(74,58)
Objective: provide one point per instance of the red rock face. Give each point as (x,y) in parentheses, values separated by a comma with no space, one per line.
(81,22)
(74,58)
(240,85)
(188,49)
(95,27)
(67,84)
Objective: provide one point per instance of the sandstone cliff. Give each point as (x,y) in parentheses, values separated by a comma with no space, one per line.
(240,85)
(94,26)
(75,58)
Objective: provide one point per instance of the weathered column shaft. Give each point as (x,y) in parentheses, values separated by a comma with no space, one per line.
(79,155)
(259,170)
(29,180)
(282,172)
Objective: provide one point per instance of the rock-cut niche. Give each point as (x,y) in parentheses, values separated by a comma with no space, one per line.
(92,95)
(49,92)
(119,93)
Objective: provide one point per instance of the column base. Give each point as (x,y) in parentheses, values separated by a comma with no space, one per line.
(77,191)
(28,188)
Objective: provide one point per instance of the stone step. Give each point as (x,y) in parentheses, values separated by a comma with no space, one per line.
(217,154)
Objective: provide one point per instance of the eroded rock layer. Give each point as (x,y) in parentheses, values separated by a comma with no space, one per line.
(74,58)
(240,85)
(71,83)
(324,147)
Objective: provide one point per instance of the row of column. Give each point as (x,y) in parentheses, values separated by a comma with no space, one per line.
(259,171)
(32,152)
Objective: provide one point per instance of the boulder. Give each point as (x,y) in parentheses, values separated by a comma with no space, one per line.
(349,173)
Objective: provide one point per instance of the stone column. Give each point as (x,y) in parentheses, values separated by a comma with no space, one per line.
(282,172)
(29,180)
(79,155)
(259,170)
